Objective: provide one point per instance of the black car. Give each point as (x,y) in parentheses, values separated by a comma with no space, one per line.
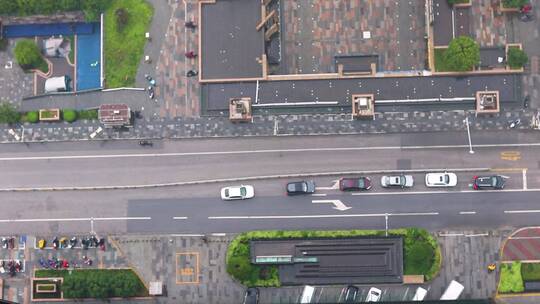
(302,187)
(488,182)
(348,294)
(251,296)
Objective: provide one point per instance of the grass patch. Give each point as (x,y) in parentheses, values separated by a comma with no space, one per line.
(72,47)
(422,254)
(124,47)
(49,114)
(97,283)
(46,295)
(530,271)
(440,63)
(511,280)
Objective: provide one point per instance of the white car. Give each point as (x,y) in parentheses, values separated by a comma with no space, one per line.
(443,179)
(237,192)
(374,295)
(403,181)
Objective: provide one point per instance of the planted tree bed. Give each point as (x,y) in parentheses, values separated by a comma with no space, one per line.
(97,283)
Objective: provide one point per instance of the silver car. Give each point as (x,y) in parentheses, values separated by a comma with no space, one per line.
(403,181)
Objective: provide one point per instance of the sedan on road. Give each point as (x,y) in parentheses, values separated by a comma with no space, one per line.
(302,187)
(488,182)
(237,192)
(355,184)
(403,181)
(443,179)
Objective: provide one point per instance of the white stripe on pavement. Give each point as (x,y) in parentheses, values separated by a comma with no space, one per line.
(249,217)
(445,192)
(263,151)
(80,219)
(467,212)
(521,211)
(179,217)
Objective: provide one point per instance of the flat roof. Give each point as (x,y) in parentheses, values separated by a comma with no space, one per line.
(114,113)
(216,96)
(230,42)
(442,22)
(362,260)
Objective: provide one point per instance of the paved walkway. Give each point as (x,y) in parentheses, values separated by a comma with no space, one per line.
(14,83)
(271,125)
(523,245)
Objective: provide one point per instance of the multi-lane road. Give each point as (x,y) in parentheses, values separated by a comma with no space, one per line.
(197,209)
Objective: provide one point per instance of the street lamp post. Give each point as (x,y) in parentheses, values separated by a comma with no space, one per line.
(466,121)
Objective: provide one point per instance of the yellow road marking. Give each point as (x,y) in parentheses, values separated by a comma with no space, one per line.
(508,169)
(187,270)
(511,155)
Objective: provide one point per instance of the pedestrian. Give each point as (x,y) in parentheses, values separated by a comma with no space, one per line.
(491,267)
(190,24)
(191,55)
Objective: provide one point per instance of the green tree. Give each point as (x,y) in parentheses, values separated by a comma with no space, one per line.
(69,115)
(69,5)
(517,58)
(462,54)
(27,54)
(8,7)
(93,8)
(46,7)
(8,114)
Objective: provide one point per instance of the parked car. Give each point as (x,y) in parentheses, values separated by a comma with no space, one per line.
(488,182)
(442,179)
(348,294)
(301,187)
(355,184)
(251,296)
(403,181)
(237,192)
(374,295)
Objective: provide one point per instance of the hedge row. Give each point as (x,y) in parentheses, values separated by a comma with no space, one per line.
(422,254)
(91,8)
(68,115)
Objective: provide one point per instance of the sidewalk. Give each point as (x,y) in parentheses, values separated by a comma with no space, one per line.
(271,125)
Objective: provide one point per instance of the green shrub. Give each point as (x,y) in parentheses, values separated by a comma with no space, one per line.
(452,2)
(517,58)
(421,253)
(28,55)
(510,278)
(91,8)
(69,115)
(462,54)
(87,114)
(32,116)
(530,271)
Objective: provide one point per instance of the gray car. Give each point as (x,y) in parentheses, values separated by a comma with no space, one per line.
(402,181)
(302,187)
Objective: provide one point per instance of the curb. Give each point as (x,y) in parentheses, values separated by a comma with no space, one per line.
(238,179)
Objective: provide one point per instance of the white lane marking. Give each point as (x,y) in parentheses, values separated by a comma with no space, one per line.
(521,211)
(445,192)
(74,219)
(318,194)
(338,205)
(186,235)
(451,234)
(467,212)
(265,151)
(524,237)
(524,172)
(248,217)
(179,217)
(219,234)
(477,234)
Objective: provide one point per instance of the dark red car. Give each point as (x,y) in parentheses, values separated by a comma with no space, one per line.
(355,184)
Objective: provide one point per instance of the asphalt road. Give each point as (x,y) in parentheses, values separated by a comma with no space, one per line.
(197,209)
(126,163)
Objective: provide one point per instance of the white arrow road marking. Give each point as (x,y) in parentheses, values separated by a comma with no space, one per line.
(338,205)
(334,186)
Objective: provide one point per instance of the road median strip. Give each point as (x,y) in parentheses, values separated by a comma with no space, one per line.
(239,179)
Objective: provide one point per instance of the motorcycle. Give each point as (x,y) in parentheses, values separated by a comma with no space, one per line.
(63,243)
(101,244)
(11,243)
(151,94)
(151,80)
(55,243)
(93,241)
(514,123)
(85,243)
(72,242)
(42,243)
(4,243)
(146,143)
(43,263)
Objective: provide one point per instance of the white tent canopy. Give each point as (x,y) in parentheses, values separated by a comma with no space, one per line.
(56,84)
